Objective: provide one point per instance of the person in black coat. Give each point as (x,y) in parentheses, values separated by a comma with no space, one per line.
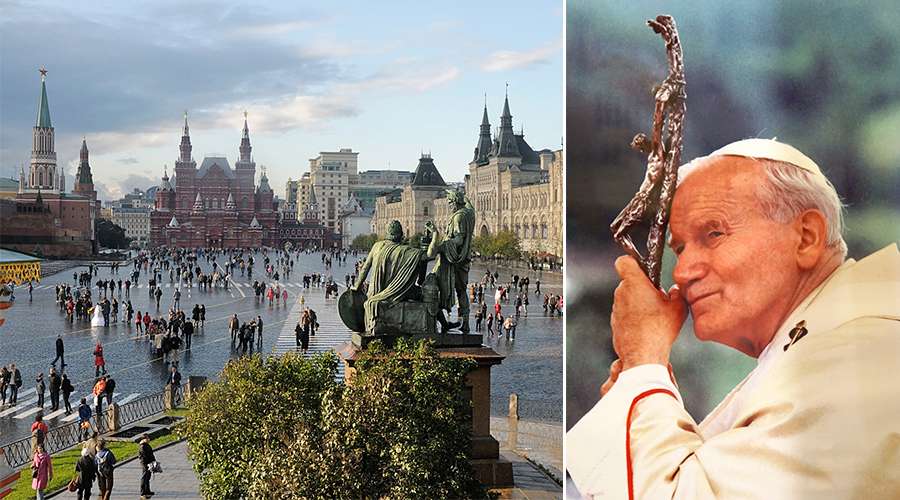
(188,330)
(110,389)
(55,386)
(40,387)
(16,385)
(60,352)
(67,390)
(147,458)
(87,472)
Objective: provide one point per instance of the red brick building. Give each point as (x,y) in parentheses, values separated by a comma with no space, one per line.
(216,205)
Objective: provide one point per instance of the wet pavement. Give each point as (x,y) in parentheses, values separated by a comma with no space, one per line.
(533,368)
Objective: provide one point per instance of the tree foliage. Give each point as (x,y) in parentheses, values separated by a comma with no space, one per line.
(504,244)
(111,235)
(364,242)
(282,428)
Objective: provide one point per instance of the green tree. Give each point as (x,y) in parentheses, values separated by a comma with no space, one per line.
(502,244)
(364,242)
(400,428)
(110,235)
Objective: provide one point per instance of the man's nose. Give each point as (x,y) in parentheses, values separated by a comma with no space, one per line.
(691,266)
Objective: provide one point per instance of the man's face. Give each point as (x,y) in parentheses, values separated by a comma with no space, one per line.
(736,268)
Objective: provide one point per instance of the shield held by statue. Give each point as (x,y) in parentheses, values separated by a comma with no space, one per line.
(351,310)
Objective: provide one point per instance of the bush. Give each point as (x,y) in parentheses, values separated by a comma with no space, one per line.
(257,404)
(399,429)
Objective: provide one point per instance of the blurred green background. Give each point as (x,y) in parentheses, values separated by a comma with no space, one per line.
(824,78)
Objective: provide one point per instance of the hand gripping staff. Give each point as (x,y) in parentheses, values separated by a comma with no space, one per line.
(663,151)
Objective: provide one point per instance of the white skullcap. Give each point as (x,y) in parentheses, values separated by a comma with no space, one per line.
(768,149)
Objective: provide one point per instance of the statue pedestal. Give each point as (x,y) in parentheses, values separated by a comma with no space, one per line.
(453,339)
(491,470)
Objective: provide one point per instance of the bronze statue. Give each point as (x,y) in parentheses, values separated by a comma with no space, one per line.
(454,256)
(402,298)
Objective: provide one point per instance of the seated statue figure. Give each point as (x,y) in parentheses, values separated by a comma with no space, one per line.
(396,302)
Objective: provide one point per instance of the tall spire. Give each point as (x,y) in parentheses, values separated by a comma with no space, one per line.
(245,142)
(42,172)
(84,166)
(483,148)
(185,147)
(84,180)
(43,116)
(508,145)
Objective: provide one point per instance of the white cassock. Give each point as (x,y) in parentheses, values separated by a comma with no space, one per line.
(97,319)
(820,420)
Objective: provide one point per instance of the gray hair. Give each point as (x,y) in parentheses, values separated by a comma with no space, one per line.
(788,191)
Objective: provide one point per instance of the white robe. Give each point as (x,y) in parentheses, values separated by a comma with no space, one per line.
(818,420)
(97,318)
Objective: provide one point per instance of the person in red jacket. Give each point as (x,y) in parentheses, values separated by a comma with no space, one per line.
(99,361)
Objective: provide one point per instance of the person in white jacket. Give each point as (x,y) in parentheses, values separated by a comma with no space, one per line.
(761,268)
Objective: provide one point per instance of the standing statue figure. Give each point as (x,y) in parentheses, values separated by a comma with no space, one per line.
(454,256)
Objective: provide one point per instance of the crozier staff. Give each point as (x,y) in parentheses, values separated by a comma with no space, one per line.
(762,269)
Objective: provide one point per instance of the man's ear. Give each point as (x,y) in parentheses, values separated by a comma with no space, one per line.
(812,229)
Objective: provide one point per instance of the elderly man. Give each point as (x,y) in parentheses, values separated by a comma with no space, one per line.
(761,268)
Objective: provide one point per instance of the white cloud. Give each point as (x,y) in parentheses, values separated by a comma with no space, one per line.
(264,30)
(503,60)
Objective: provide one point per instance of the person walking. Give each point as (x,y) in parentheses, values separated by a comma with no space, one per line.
(176,298)
(99,361)
(148,460)
(259,327)
(99,392)
(16,384)
(39,430)
(139,323)
(60,352)
(67,390)
(55,386)
(110,389)
(42,471)
(174,383)
(233,325)
(202,315)
(86,469)
(188,331)
(313,323)
(298,332)
(106,462)
(5,377)
(40,388)
(84,418)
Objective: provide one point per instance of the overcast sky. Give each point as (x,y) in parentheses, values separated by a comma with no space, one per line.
(388,81)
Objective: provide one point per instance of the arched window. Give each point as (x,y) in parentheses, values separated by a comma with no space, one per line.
(244,202)
(40,178)
(425,209)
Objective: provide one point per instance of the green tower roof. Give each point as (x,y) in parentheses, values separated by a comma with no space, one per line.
(43,117)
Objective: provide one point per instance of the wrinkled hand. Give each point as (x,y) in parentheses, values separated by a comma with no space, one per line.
(645,321)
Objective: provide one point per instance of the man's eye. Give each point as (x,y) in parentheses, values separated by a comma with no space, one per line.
(715,234)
